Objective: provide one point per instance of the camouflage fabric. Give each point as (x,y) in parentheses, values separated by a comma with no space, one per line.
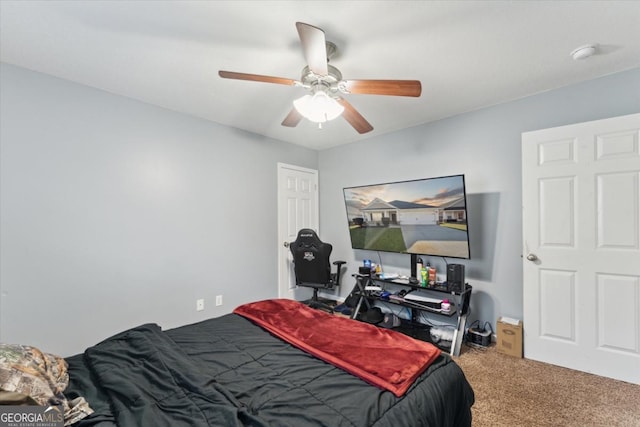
(42,377)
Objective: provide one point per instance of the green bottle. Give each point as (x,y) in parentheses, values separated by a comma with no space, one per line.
(423,277)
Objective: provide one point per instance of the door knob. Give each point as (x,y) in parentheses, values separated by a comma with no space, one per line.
(286,244)
(532,257)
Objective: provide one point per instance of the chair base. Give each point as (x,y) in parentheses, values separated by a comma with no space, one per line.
(315,302)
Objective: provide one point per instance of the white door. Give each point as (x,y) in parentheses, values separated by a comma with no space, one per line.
(581,210)
(297,208)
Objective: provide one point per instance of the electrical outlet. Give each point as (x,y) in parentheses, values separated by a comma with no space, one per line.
(218,300)
(199,305)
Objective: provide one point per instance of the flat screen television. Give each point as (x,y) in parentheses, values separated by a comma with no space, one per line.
(423,216)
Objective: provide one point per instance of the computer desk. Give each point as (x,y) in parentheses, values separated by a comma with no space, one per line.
(460,300)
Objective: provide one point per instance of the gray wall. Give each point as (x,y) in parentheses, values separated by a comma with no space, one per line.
(485,146)
(115,212)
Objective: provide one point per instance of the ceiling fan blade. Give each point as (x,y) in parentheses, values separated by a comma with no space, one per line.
(256,78)
(354,118)
(314,46)
(384,87)
(292,119)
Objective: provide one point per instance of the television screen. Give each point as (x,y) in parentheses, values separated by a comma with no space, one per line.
(423,216)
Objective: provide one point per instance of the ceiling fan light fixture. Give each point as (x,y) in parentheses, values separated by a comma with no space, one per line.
(319,107)
(325,84)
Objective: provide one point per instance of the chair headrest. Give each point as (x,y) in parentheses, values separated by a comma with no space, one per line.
(307,234)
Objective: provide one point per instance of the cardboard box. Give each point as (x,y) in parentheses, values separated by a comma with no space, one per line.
(509,337)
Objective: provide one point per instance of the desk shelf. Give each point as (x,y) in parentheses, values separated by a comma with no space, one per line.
(421,332)
(438,287)
(415,305)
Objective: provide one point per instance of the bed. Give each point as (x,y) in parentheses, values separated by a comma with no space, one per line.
(229,371)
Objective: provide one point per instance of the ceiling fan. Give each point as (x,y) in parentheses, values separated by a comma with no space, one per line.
(326,85)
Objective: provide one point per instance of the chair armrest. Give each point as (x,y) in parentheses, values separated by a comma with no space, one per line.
(338,265)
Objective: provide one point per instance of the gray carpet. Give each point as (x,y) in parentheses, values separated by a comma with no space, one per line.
(520,392)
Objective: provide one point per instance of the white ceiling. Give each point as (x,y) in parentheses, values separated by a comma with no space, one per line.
(467,54)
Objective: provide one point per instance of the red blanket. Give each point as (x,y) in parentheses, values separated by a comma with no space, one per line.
(382,357)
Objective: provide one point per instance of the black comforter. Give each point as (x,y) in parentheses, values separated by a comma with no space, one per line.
(229,372)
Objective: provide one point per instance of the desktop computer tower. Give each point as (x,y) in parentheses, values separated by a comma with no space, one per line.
(455,277)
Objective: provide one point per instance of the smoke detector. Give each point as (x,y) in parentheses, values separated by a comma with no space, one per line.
(583,52)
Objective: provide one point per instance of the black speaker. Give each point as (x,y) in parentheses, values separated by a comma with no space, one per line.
(365,271)
(455,277)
